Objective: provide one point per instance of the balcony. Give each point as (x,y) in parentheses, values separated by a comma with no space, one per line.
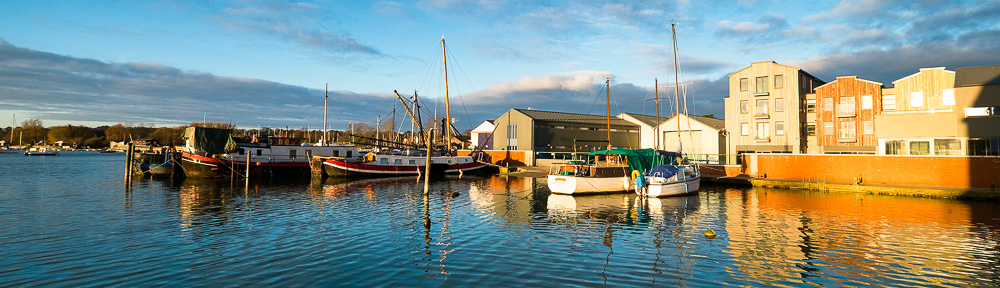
(846,114)
(761,140)
(761,94)
(761,116)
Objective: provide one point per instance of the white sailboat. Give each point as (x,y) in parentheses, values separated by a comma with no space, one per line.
(671,180)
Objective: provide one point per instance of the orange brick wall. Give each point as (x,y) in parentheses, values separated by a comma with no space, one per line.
(502,157)
(904,170)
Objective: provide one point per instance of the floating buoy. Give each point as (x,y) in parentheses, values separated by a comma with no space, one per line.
(258,163)
(709,234)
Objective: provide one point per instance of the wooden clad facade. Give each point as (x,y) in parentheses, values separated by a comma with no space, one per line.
(929,89)
(845,115)
(764,108)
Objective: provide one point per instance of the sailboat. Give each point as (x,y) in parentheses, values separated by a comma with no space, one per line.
(606,171)
(380,164)
(670,179)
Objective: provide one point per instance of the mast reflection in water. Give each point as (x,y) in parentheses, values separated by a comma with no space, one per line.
(82,229)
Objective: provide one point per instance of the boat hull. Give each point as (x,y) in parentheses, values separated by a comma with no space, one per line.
(675,188)
(341,168)
(562,184)
(195,165)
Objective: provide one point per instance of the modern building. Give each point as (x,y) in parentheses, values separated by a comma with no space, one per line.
(705,136)
(920,118)
(977,103)
(545,131)
(846,109)
(764,108)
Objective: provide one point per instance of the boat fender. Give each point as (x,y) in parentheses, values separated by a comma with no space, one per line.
(638,179)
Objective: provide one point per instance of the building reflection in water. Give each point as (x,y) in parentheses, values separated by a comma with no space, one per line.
(777,235)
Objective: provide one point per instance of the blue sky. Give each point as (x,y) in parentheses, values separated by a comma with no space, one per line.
(266,62)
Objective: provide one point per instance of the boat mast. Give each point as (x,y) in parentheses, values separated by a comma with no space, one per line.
(13,126)
(326,97)
(607,84)
(656,99)
(447,104)
(677,85)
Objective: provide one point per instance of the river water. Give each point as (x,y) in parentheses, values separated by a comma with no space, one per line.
(69,221)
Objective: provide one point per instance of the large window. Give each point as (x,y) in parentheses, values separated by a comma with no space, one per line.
(846,132)
(846,107)
(761,85)
(761,108)
(866,102)
(744,84)
(763,131)
(895,147)
(744,106)
(779,81)
(920,147)
(810,129)
(827,104)
(744,129)
(810,105)
(779,105)
(779,128)
(888,102)
(828,129)
(948,98)
(917,99)
(512,137)
(947,147)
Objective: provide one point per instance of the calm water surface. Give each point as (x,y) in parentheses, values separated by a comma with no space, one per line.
(69,221)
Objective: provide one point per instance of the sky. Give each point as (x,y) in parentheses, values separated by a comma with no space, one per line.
(268,63)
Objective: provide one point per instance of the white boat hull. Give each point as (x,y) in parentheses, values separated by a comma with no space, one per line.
(587,185)
(671,188)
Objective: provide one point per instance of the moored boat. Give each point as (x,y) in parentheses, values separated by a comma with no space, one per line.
(41,152)
(607,171)
(213,152)
(374,164)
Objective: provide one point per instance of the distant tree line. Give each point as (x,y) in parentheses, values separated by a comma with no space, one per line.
(31,133)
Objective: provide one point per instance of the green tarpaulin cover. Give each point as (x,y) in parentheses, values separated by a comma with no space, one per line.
(642,159)
(211,140)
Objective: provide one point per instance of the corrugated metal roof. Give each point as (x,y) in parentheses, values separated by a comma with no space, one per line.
(977,76)
(572,117)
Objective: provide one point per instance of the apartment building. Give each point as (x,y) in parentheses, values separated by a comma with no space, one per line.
(765,108)
(920,118)
(846,109)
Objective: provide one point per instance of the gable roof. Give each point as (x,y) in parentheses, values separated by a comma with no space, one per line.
(717,124)
(571,117)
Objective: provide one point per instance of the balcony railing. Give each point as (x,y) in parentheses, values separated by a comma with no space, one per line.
(761,116)
(762,139)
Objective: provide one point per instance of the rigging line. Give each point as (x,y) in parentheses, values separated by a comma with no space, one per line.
(627,139)
(460,98)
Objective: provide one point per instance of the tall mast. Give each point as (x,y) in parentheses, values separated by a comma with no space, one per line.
(677,85)
(447,104)
(13,126)
(608,85)
(326,97)
(656,99)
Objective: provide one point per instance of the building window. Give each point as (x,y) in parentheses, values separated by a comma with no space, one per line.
(866,102)
(744,84)
(888,102)
(779,81)
(779,105)
(761,110)
(948,98)
(761,85)
(744,129)
(810,105)
(512,137)
(744,106)
(763,131)
(846,131)
(896,147)
(846,107)
(810,129)
(828,129)
(917,99)
(868,127)
(779,128)
(920,148)
(947,147)
(984,146)
(827,104)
